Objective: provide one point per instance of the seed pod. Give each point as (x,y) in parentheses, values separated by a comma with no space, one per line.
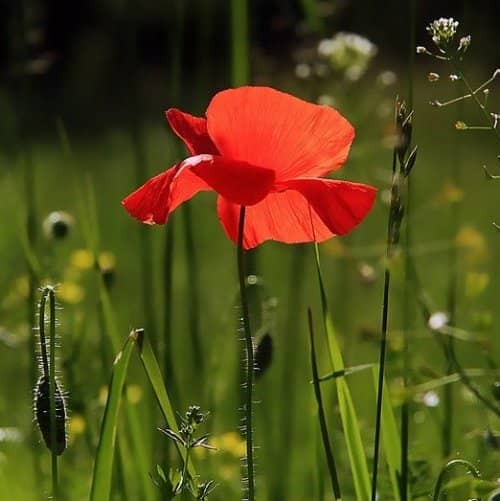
(42,413)
(57,225)
(495,389)
(263,355)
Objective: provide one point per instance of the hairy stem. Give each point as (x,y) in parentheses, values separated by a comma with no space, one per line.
(249,372)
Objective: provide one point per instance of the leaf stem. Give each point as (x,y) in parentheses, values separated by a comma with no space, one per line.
(249,357)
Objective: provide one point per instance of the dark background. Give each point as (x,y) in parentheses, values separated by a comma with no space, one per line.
(84,60)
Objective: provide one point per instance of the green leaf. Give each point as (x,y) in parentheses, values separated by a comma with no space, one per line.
(350,423)
(154,375)
(390,438)
(103,467)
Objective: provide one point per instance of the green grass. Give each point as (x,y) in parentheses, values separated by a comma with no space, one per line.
(296,467)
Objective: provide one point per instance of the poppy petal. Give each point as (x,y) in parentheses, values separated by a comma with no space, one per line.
(309,210)
(239,182)
(192,130)
(266,127)
(153,202)
(341,205)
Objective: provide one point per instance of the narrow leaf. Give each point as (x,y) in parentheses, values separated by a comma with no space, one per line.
(350,423)
(103,466)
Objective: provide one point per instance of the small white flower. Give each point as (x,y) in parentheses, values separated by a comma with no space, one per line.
(442,31)
(464,43)
(302,70)
(430,399)
(438,320)
(387,78)
(348,53)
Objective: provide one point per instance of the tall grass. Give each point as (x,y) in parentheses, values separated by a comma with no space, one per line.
(290,462)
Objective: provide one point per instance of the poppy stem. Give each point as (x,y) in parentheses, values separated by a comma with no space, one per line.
(249,372)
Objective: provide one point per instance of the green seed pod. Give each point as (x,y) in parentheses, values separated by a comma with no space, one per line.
(495,495)
(57,225)
(42,413)
(495,389)
(263,355)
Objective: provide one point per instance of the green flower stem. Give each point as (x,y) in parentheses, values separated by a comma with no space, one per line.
(383,341)
(407,304)
(473,94)
(455,462)
(193,274)
(239,43)
(249,357)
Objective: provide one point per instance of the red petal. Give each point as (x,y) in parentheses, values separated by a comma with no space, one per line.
(265,127)
(192,130)
(312,210)
(157,198)
(239,182)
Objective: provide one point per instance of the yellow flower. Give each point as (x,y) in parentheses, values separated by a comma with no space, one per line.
(82,259)
(107,260)
(475,283)
(70,292)
(472,242)
(76,425)
(230,442)
(450,193)
(134,393)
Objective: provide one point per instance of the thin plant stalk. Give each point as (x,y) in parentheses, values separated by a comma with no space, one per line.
(239,43)
(168,254)
(249,357)
(332,469)
(20,54)
(471,469)
(140,167)
(295,295)
(407,304)
(193,273)
(383,345)
(175,76)
(350,422)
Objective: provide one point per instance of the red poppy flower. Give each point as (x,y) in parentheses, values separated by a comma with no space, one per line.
(266,150)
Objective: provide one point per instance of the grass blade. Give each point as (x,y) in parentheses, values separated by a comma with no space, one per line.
(350,423)
(153,372)
(141,447)
(390,439)
(322,418)
(103,466)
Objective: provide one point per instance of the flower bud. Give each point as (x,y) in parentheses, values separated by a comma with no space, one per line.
(57,225)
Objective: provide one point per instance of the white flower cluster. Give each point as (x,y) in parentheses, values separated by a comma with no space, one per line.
(442,31)
(349,53)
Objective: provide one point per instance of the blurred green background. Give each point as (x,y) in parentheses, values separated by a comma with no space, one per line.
(83,91)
